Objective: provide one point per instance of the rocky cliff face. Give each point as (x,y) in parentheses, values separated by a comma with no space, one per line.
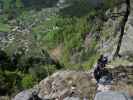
(119,29)
(126,47)
(116,41)
(79,85)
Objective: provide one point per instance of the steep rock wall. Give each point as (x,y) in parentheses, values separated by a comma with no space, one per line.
(117,30)
(127,46)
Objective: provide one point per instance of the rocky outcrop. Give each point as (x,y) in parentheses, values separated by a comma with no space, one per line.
(111,30)
(82,85)
(65,84)
(115,41)
(118,37)
(62,85)
(126,47)
(122,27)
(123,79)
(79,85)
(24,95)
(111,96)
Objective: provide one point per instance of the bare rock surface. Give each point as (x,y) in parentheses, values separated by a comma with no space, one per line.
(111,96)
(127,46)
(63,84)
(24,95)
(80,85)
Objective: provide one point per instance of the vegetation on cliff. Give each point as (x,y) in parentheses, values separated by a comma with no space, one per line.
(48,36)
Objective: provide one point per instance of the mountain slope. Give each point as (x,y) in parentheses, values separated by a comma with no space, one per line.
(39,37)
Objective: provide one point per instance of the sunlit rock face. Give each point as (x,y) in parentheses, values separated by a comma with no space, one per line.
(127,46)
(112,30)
(113,27)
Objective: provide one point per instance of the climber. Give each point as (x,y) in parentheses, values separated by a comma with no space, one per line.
(99,68)
(103,60)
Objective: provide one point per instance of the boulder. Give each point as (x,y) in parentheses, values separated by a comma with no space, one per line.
(67,84)
(24,95)
(71,98)
(110,95)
